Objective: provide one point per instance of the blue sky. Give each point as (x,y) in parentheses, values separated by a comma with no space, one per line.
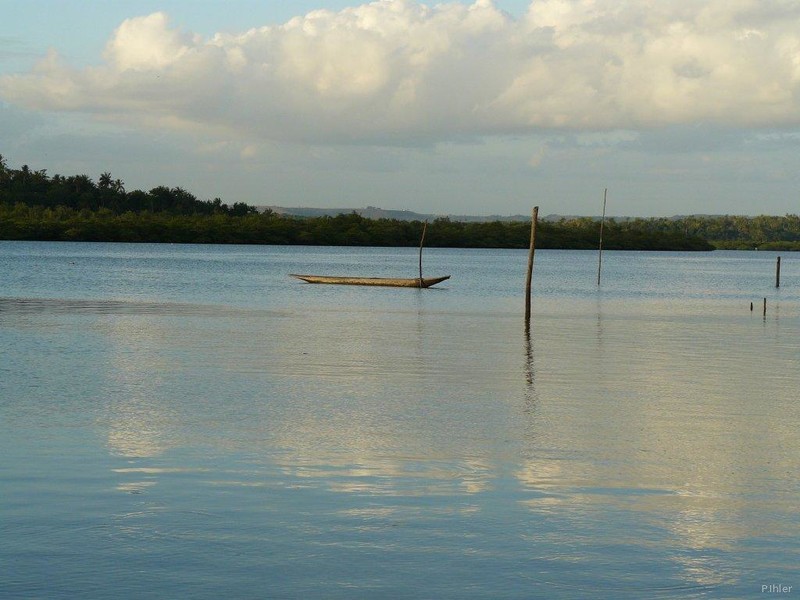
(677,107)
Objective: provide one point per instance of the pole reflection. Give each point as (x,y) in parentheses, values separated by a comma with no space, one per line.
(531,396)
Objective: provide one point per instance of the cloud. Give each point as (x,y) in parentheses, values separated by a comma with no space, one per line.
(402,72)
(147,44)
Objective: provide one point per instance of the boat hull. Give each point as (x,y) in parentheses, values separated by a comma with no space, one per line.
(415,282)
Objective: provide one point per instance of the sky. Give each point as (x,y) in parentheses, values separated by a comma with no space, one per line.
(472,108)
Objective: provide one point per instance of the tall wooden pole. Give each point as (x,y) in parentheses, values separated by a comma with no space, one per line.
(421,242)
(778,274)
(602,223)
(529,279)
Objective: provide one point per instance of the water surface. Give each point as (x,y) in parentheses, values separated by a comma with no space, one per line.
(188,421)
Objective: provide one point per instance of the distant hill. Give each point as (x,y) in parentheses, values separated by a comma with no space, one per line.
(373,212)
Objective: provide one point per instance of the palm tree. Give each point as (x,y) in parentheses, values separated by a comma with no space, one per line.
(4,172)
(80,183)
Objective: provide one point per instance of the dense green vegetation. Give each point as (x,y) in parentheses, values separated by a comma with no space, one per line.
(733,232)
(36,206)
(79,192)
(23,222)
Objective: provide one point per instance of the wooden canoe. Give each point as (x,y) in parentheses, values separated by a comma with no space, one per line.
(380,281)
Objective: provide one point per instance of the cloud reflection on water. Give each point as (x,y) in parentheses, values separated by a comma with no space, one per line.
(640,413)
(664,417)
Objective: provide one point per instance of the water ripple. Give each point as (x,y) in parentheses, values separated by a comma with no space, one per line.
(70,306)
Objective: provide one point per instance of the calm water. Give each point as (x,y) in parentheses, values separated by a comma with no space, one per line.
(189,422)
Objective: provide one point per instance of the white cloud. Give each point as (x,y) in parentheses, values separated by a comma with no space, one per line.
(147,44)
(400,72)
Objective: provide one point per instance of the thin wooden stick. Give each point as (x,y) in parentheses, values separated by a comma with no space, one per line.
(600,252)
(778,274)
(529,279)
(421,242)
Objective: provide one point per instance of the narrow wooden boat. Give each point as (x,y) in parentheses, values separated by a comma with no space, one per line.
(414,282)
(417,282)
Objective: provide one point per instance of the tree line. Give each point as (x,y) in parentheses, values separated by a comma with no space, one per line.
(36,206)
(61,223)
(79,192)
(732,232)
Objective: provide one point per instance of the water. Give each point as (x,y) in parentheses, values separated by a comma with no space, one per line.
(189,422)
